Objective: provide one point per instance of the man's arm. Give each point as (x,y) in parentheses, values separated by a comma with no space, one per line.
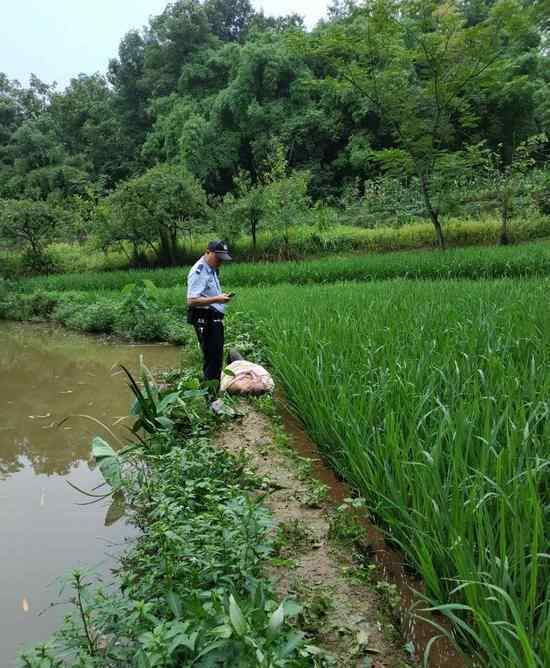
(206,301)
(196,284)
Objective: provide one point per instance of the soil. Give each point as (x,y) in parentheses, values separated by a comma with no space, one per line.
(346,617)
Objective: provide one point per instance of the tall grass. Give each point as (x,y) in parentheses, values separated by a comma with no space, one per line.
(344,233)
(433,399)
(473,263)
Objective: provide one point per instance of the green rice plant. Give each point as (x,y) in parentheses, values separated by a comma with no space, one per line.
(467,263)
(432,399)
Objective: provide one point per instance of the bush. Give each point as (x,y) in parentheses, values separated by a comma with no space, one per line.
(42,304)
(148,325)
(69,309)
(177,332)
(31,226)
(99,318)
(543,198)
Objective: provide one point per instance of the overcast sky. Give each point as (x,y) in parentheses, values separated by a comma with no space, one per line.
(57,39)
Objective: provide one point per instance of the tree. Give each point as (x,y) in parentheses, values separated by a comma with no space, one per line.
(28,226)
(153,209)
(241,210)
(86,117)
(411,63)
(18,104)
(507,178)
(171,41)
(229,19)
(285,197)
(126,75)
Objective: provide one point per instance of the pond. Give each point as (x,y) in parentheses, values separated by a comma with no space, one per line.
(48,374)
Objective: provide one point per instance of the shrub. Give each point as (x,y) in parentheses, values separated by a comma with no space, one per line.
(31,226)
(99,317)
(42,304)
(176,331)
(543,198)
(149,325)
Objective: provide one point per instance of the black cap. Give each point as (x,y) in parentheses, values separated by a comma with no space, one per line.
(220,248)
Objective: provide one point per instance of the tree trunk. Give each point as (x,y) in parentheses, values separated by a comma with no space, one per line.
(253,231)
(166,250)
(504,237)
(174,247)
(434,214)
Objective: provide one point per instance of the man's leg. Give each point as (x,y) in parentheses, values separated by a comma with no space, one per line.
(213,340)
(200,328)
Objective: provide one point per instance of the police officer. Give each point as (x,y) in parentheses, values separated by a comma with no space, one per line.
(206,306)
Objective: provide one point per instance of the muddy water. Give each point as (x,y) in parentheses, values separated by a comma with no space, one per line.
(45,375)
(390,561)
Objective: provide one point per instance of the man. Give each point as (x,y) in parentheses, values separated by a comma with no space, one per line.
(206,307)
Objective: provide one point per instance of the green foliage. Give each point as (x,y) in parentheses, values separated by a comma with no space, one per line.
(141,317)
(192,590)
(470,263)
(411,65)
(429,398)
(153,209)
(507,179)
(242,212)
(163,410)
(208,89)
(29,226)
(285,199)
(543,197)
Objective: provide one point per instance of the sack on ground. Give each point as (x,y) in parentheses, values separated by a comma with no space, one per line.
(242,377)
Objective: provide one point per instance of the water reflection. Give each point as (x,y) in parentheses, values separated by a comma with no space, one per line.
(47,374)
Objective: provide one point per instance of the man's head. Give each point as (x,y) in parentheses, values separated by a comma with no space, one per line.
(217,252)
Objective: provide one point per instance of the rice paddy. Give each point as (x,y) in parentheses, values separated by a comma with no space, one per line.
(464,263)
(433,399)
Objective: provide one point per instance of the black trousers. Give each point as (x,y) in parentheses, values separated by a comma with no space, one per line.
(210,333)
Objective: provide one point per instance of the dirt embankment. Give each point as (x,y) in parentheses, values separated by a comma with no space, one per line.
(349,618)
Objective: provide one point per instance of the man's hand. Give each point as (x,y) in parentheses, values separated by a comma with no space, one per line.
(206,301)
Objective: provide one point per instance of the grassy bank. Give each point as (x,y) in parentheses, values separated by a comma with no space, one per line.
(192,589)
(138,313)
(305,240)
(432,399)
(467,263)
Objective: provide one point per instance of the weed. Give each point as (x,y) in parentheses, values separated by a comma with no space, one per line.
(293,537)
(316,493)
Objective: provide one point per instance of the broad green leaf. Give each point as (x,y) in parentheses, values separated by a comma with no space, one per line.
(174,603)
(236,616)
(111,471)
(116,509)
(189,394)
(223,631)
(167,401)
(101,449)
(294,641)
(128,288)
(165,422)
(141,660)
(292,608)
(276,620)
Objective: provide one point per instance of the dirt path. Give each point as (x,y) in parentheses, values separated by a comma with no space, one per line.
(347,617)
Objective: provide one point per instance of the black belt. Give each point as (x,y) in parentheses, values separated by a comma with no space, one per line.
(209,314)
